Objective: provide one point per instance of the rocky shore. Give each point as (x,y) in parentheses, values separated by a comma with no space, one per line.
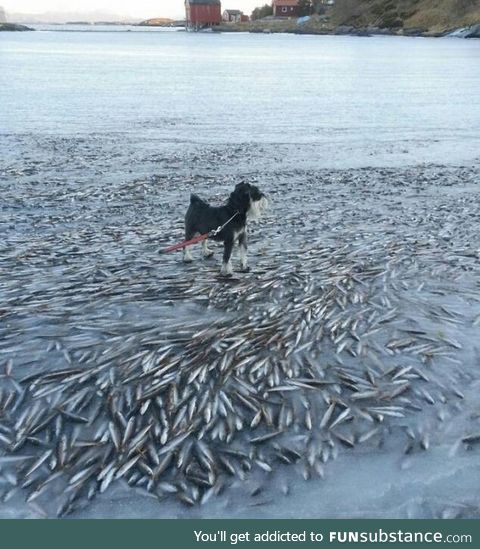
(315,26)
(467,32)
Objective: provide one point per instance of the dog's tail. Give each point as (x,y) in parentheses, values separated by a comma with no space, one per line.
(195,199)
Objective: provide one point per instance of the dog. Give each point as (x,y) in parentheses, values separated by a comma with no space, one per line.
(245,203)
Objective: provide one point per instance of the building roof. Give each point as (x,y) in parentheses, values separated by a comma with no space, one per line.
(234,12)
(204,2)
(285,3)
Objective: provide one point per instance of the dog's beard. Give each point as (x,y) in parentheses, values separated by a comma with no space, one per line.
(257,207)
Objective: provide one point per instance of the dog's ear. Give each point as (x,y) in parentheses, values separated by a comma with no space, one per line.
(242,187)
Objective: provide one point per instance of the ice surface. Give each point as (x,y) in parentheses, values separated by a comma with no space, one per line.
(356,141)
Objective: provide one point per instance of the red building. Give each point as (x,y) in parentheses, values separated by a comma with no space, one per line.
(285,8)
(203,13)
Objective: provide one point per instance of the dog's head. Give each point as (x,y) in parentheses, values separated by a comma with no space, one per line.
(249,199)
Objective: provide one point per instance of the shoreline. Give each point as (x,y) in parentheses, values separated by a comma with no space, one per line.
(292,27)
(271,27)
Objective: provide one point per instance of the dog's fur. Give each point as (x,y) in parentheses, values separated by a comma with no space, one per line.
(202,218)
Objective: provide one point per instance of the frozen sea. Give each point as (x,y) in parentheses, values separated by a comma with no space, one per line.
(88,115)
(361,101)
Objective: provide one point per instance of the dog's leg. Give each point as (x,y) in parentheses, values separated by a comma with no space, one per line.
(226,269)
(242,252)
(187,252)
(207,252)
(187,255)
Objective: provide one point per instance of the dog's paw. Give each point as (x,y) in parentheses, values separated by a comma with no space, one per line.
(208,255)
(226,270)
(244,270)
(187,259)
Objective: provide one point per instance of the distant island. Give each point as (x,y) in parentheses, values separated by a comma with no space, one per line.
(14,27)
(69,17)
(99,23)
(161,22)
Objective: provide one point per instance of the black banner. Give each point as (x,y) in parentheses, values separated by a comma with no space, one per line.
(209,534)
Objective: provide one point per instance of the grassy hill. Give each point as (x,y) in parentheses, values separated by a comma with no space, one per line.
(432,15)
(427,17)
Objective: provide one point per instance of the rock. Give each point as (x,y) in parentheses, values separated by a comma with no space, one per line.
(473,32)
(361,32)
(466,32)
(13,27)
(344,29)
(414,31)
(378,30)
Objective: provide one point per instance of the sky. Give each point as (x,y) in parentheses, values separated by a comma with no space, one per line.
(142,9)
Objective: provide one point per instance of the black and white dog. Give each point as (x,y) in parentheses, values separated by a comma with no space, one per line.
(246,202)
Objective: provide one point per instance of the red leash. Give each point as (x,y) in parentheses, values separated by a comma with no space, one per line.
(186,243)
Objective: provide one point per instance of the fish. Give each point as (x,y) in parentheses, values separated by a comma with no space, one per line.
(152,375)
